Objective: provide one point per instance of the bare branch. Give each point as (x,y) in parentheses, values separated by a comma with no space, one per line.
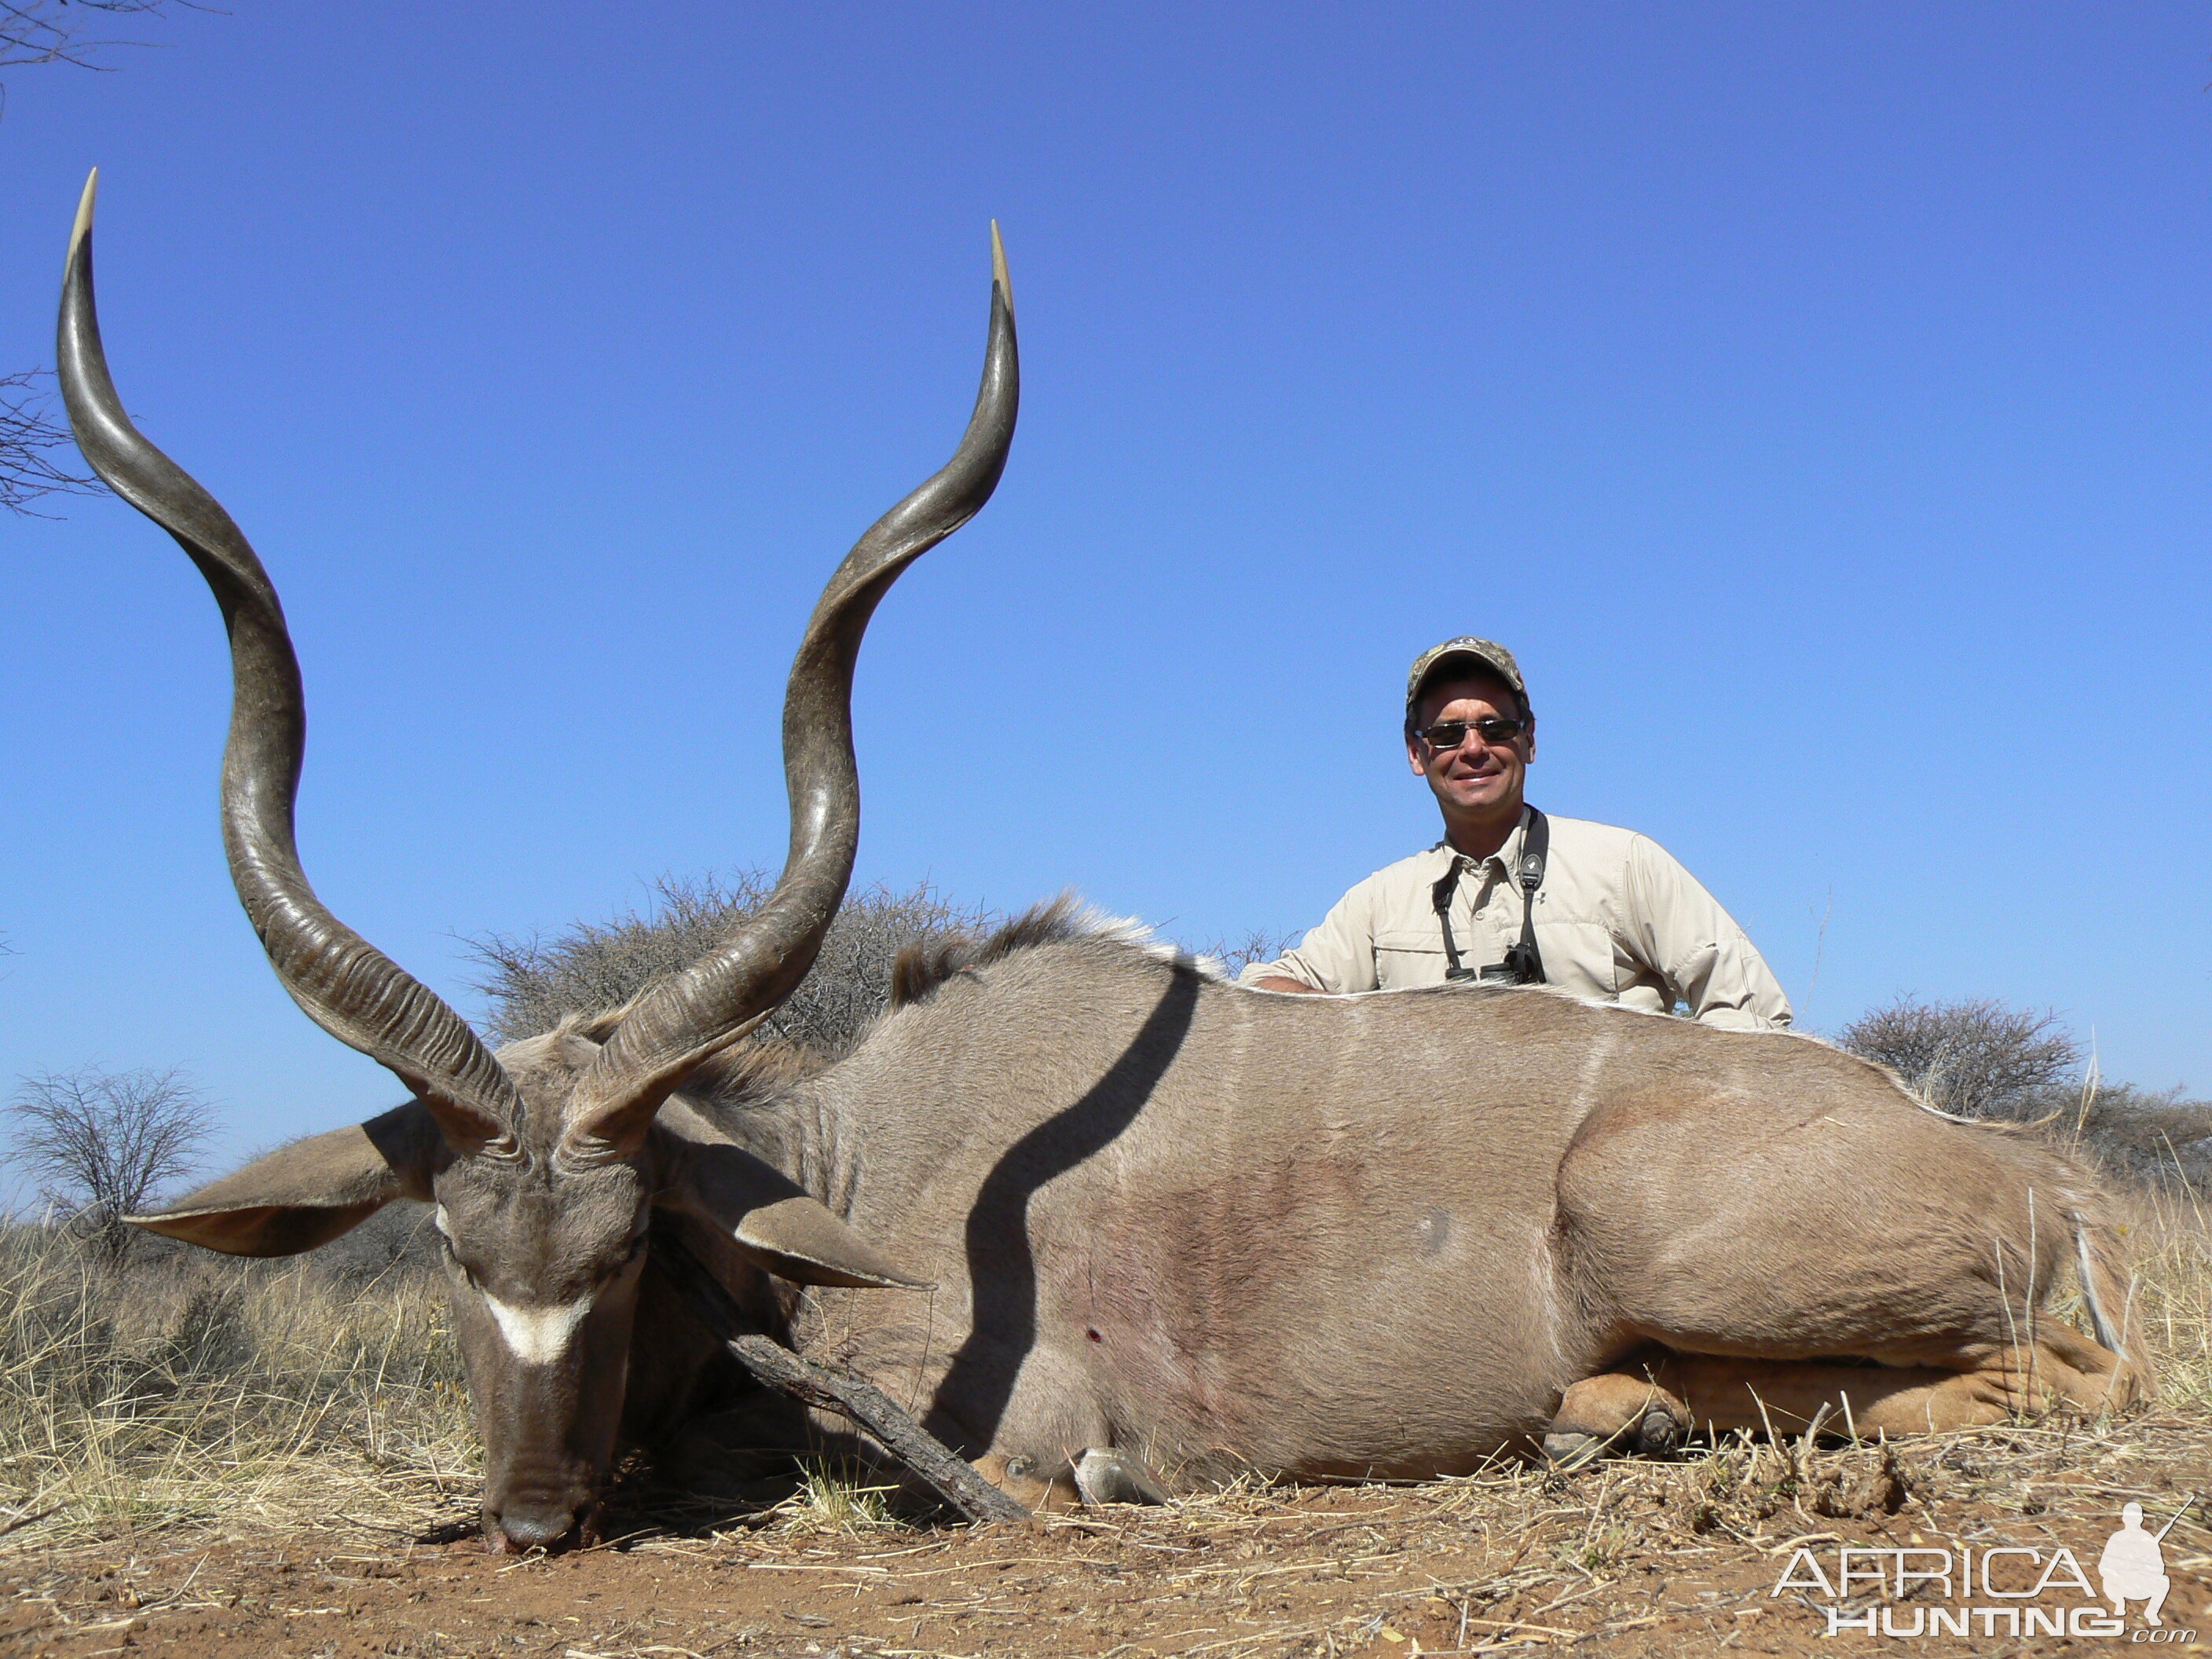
(52,31)
(1976,1058)
(1258,945)
(837,1389)
(100,1144)
(27,433)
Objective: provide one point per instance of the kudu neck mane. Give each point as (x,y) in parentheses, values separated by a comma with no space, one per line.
(755,1072)
(922,969)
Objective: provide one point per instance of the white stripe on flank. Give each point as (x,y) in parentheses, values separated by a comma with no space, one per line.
(1593,1063)
(539,1336)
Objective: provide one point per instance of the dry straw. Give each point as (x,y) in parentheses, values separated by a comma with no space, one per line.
(181,1393)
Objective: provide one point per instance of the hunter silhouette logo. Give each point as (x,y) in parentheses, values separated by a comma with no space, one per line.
(2133,1565)
(1994,1589)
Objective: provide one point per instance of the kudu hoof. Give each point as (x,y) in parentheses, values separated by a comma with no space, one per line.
(1656,1431)
(1112,1477)
(1571,1451)
(1615,1411)
(1659,1431)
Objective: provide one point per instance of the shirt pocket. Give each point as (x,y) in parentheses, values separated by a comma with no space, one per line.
(1581,958)
(1405,956)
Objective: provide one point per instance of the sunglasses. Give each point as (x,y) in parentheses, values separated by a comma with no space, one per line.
(1447,735)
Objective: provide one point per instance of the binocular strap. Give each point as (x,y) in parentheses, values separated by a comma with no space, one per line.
(1524,963)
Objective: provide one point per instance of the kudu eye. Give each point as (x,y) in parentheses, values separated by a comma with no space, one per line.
(453,1256)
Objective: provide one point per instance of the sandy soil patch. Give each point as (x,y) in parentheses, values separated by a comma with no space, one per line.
(1624,1558)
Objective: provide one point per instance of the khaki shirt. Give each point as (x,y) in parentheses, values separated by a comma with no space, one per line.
(1617,921)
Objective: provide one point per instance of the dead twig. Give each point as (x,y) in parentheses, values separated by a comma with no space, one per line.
(950,1475)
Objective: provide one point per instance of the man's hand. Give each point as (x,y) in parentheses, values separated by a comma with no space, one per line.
(1276,983)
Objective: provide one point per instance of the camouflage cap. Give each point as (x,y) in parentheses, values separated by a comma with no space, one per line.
(1490,658)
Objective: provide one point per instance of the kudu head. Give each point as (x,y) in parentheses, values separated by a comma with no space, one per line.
(545,1162)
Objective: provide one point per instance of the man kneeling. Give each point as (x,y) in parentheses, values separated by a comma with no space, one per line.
(1516,895)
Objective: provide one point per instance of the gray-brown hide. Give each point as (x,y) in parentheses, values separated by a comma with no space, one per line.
(1380,1234)
(1164,1217)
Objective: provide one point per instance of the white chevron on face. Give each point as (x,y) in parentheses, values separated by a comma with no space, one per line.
(538,1336)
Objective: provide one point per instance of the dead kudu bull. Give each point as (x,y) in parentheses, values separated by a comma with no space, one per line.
(1168,1222)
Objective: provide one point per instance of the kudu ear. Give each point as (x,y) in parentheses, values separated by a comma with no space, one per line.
(784,1229)
(308,1193)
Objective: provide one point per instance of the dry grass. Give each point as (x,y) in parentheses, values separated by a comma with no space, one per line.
(1641,1559)
(184,1390)
(228,1460)
(2172,1235)
(193,1395)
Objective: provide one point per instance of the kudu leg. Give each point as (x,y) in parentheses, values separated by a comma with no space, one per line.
(1616,1411)
(1653,1408)
(2092,1377)
(980,1497)
(1789,1397)
(1028,1485)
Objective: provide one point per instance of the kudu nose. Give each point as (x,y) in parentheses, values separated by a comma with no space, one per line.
(518,1530)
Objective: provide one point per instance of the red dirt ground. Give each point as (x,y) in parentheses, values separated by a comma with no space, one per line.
(1627,1559)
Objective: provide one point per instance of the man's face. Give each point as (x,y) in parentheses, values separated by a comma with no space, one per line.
(1476,780)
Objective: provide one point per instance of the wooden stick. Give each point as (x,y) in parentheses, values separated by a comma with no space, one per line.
(2157,1537)
(849,1395)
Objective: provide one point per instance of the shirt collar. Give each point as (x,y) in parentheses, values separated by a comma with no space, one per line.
(1507,858)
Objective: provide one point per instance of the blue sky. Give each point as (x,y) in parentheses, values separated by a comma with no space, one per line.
(1816,396)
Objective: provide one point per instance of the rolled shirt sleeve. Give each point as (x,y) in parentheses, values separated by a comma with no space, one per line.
(1337,956)
(1695,948)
